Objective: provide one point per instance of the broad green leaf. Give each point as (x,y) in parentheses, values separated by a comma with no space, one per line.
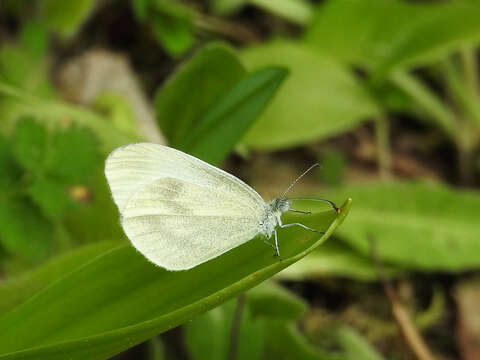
(380,34)
(30,141)
(220,129)
(24,232)
(119,299)
(66,17)
(415,225)
(53,112)
(336,259)
(212,71)
(320,98)
(15,291)
(73,154)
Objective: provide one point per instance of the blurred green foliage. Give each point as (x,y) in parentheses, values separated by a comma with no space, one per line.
(309,72)
(41,166)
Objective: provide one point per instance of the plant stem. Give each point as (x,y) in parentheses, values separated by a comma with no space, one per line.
(402,317)
(384,154)
(466,166)
(427,100)
(470,68)
(235,329)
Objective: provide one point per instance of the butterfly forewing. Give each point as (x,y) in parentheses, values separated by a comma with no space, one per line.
(178,225)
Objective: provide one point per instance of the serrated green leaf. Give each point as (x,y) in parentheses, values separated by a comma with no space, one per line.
(30,141)
(66,17)
(213,70)
(50,196)
(73,154)
(25,232)
(109,303)
(415,225)
(9,169)
(321,98)
(53,113)
(96,218)
(225,124)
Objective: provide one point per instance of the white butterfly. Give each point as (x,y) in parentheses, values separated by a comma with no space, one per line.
(179,211)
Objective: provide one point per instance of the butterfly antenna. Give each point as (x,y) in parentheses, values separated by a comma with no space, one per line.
(298,178)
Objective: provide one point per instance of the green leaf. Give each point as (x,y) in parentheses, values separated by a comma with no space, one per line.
(355,346)
(19,68)
(175,34)
(226,7)
(51,112)
(208,336)
(30,145)
(96,218)
(25,232)
(273,301)
(213,70)
(66,17)
(9,168)
(320,99)
(73,154)
(285,342)
(119,111)
(15,291)
(219,130)
(336,259)
(50,196)
(297,11)
(34,37)
(418,226)
(380,34)
(109,303)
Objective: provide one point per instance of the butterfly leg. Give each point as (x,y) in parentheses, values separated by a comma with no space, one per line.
(276,244)
(301,225)
(300,211)
(269,243)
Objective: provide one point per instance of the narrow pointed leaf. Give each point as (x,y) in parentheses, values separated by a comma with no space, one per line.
(119,299)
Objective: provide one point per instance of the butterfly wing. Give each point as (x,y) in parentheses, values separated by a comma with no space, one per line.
(178,225)
(133,166)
